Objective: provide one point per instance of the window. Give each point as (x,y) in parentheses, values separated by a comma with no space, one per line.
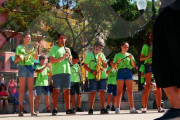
(2,62)
(12,64)
(12,43)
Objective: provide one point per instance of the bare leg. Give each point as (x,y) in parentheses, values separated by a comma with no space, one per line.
(109,99)
(1,105)
(73,100)
(146,91)
(67,98)
(120,84)
(21,93)
(129,85)
(31,95)
(173,96)
(55,98)
(37,102)
(102,98)
(47,102)
(92,99)
(6,105)
(78,100)
(114,100)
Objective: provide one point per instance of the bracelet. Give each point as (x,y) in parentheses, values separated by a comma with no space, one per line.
(91,71)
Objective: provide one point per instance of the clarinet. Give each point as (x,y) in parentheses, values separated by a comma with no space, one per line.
(68,57)
(124,57)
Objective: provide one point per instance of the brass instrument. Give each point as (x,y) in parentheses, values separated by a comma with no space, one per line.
(99,69)
(29,49)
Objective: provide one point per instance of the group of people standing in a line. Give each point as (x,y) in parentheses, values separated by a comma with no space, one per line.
(66,76)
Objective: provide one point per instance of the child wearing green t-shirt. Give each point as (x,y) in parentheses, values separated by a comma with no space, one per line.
(42,85)
(75,84)
(112,84)
(90,64)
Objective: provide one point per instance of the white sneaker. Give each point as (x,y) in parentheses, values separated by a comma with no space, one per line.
(133,110)
(143,110)
(37,112)
(117,111)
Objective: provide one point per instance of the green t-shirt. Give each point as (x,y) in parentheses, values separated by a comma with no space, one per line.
(142,69)
(126,63)
(21,50)
(42,78)
(90,60)
(146,50)
(112,76)
(75,73)
(61,66)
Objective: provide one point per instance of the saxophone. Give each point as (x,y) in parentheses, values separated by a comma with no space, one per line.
(29,49)
(99,69)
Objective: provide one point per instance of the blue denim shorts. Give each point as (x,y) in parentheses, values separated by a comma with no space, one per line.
(124,74)
(148,68)
(17,103)
(42,89)
(112,89)
(62,80)
(97,85)
(26,71)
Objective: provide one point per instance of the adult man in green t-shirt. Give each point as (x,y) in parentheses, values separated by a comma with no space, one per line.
(90,65)
(42,84)
(61,73)
(75,84)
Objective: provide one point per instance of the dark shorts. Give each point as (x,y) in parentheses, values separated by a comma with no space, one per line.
(148,68)
(17,103)
(75,88)
(42,89)
(25,71)
(166,47)
(97,85)
(112,89)
(63,80)
(5,100)
(124,74)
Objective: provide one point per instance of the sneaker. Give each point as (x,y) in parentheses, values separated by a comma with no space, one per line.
(21,114)
(160,110)
(33,114)
(74,109)
(170,114)
(24,111)
(108,107)
(113,108)
(37,112)
(48,111)
(70,112)
(54,112)
(133,110)
(143,110)
(104,111)
(16,112)
(79,110)
(117,111)
(90,112)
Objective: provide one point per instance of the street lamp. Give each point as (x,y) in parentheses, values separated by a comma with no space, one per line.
(141,4)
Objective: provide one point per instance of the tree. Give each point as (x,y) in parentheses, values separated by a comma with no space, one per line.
(81,20)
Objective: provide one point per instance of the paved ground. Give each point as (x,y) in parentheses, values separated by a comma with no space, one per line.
(125,115)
